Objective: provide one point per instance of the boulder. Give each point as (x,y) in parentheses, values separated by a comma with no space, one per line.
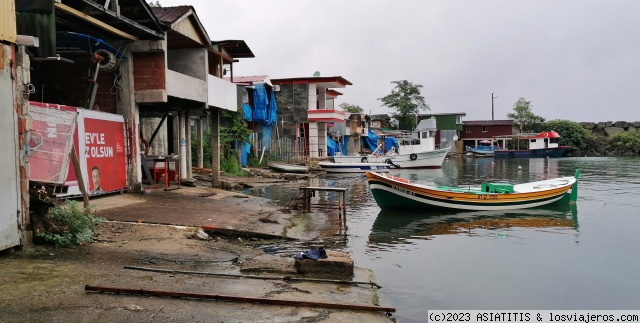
(613,130)
(588,125)
(621,124)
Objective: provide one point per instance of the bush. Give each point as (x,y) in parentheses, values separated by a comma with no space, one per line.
(206,149)
(74,225)
(626,141)
(572,133)
(231,166)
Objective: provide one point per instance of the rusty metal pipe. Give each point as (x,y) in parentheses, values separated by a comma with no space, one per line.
(258,300)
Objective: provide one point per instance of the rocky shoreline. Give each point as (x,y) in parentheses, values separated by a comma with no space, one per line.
(600,145)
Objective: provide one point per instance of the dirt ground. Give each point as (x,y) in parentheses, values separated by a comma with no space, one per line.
(158,230)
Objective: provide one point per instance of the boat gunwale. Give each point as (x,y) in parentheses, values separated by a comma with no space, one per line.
(465,197)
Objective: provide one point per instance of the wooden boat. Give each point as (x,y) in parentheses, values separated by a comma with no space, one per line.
(395,192)
(415,150)
(544,144)
(330,167)
(287,168)
(483,148)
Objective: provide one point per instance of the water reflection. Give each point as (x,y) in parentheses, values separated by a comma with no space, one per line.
(397,227)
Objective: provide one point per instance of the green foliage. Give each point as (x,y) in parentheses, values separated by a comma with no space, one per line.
(526,120)
(405,98)
(237,131)
(350,108)
(625,141)
(572,133)
(206,149)
(252,160)
(231,166)
(78,223)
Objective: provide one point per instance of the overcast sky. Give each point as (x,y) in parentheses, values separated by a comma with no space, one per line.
(573,59)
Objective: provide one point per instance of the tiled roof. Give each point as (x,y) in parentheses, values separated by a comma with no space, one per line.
(170,14)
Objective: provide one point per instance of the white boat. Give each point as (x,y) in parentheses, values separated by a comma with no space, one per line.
(287,168)
(330,167)
(415,150)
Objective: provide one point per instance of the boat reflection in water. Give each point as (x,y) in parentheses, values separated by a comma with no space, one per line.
(392,227)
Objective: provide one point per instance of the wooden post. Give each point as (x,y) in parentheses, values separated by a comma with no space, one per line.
(78,171)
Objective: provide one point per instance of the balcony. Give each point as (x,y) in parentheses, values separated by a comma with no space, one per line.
(186,87)
(325,116)
(222,94)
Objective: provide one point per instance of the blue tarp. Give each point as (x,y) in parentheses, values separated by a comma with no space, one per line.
(247,112)
(345,145)
(272,111)
(246,149)
(371,141)
(260,102)
(266,136)
(332,146)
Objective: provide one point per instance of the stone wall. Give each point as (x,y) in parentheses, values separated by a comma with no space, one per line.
(609,128)
(600,146)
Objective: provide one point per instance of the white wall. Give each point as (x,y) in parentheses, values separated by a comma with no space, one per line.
(222,94)
(186,87)
(10,206)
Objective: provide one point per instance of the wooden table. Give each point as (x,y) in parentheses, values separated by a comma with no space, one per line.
(310,191)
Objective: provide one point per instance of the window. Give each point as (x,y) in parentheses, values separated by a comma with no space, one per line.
(485,129)
(467,129)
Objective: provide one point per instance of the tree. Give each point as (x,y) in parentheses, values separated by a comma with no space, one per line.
(524,118)
(571,133)
(405,98)
(350,108)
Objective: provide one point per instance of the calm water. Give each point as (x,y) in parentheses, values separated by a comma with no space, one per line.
(574,258)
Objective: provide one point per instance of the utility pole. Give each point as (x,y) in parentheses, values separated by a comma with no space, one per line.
(492,97)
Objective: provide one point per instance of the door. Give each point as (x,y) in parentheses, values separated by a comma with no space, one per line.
(9,171)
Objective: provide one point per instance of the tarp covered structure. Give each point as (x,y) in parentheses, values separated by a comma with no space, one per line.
(371,141)
(332,147)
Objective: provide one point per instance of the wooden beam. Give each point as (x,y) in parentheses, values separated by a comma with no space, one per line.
(76,168)
(29,41)
(95,21)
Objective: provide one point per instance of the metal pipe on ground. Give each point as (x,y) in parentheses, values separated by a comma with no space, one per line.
(258,300)
(285,278)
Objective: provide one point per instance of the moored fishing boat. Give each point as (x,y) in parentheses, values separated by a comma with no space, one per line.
(287,168)
(395,192)
(544,144)
(407,150)
(330,167)
(483,148)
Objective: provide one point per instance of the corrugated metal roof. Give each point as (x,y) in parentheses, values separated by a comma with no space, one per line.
(235,48)
(170,14)
(442,114)
(248,79)
(320,79)
(488,123)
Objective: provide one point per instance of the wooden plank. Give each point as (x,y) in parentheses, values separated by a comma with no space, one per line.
(258,300)
(95,21)
(78,171)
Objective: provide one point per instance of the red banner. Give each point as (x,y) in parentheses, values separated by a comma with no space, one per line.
(105,156)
